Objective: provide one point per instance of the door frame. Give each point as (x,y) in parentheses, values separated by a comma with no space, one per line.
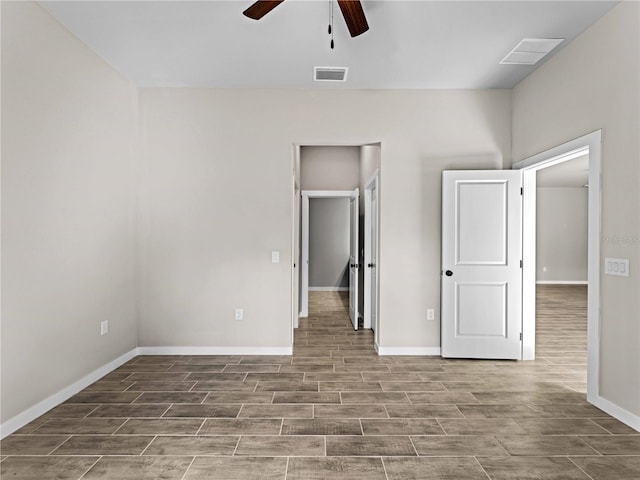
(591,144)
(372,183)
(305,195)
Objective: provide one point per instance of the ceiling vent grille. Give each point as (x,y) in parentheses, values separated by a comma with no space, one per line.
(330,74)
(531,50)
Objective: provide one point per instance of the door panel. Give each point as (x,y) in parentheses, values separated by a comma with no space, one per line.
(481,238)
(481,253)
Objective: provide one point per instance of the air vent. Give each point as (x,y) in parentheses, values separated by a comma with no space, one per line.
(531,50)
(330,74)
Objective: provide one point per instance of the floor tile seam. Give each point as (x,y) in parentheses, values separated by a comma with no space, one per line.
(90,467)
(475,457)
(148,445)
(184,475)
(204,420)
(52,452)
(115,432)
(580,468)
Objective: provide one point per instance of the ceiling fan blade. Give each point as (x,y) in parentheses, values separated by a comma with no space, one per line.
(354,16)
(261,8)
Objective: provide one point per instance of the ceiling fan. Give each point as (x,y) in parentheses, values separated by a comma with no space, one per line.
(351,11)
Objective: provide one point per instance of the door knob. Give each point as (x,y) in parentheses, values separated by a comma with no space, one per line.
(370,265)
(352,265)
(448,273)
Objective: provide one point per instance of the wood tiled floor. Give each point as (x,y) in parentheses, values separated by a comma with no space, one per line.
(335,410)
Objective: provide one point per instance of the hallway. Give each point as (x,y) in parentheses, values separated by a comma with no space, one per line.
(336,410)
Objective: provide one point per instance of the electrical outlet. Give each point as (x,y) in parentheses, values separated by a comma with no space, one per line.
(239,314)
(431,314)
(104,327)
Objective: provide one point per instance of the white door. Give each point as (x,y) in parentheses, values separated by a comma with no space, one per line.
(373,265)
(371,252)
(353,260)
(481,264)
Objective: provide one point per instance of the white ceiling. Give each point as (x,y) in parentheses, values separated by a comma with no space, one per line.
(410,44)
(573,173)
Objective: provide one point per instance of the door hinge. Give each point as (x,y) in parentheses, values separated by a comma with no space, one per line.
(520,263)
(521,190)
(520,336)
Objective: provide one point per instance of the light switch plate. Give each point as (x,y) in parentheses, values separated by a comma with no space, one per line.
(616,266)
(275,257)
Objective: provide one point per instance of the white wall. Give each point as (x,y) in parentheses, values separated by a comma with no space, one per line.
(68,127)
(561,231)
(593,84)
(216,200)
(329,234)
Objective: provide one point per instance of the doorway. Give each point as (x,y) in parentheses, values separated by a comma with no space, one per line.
(353,265)
(587,145)
(331,169)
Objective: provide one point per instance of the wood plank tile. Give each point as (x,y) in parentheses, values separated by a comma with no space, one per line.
(203,411)
(188,445)
(321,426)
(531,468)
(370,445)
(458,446)
(160,426)
(401,426)
(458,468)
(335,468)
(104,445)
(238,468)
(31,444)
(137,468)
(282,445)
(45,468)
(241,426)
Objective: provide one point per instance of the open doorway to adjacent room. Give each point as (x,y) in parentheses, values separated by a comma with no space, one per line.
(335,190)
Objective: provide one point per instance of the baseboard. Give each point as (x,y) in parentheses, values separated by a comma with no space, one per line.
(30,414)
(424,351)
(328,289)
(562,282)
(615,411)
(215,350)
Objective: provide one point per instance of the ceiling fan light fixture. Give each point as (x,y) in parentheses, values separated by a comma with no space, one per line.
(330,74)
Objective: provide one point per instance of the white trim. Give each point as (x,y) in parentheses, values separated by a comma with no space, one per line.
(591,143)
(562,282)
(615,411)
(304,256)
(327,193)
(328,289)
(40,408)
(424,351)
(215,350)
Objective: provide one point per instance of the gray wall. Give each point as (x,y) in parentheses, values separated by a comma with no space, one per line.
(592,84)
(329,168)
(561,241)
(68,237)
(328,242)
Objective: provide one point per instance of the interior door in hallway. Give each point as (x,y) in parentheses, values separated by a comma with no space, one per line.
(354,258)
(481,264)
